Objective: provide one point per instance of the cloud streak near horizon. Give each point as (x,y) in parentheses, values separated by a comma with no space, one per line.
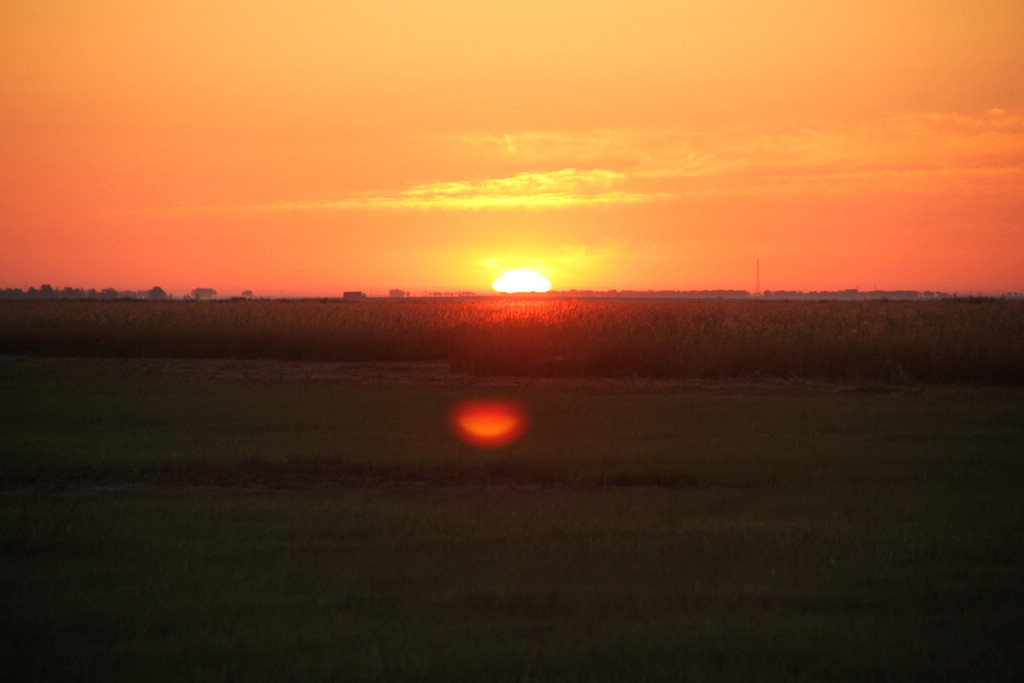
(922,153)
(530,189)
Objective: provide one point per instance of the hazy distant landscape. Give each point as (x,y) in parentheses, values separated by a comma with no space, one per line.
(47,292)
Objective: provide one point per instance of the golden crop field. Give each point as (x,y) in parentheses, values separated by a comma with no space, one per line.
(966,341)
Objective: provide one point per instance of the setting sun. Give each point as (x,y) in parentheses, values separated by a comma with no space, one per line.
(521,281)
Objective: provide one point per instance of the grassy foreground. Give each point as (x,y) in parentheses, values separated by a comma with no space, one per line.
(159,527)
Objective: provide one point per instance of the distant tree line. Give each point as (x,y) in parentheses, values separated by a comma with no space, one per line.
(48,292)
(154,294)
(844,294)
(655,294)
(206,293)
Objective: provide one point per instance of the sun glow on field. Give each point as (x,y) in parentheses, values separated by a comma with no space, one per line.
(488,424)
(521,281)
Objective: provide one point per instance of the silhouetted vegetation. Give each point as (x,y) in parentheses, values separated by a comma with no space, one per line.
(903,342)
(203,293)
(48,292)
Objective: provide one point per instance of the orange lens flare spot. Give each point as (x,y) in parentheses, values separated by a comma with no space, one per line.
(488,424)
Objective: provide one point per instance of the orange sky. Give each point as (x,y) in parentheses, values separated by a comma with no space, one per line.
(315,147)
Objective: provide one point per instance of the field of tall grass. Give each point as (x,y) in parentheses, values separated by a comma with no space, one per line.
(952,341)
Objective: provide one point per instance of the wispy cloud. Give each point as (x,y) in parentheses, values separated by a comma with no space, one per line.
(551,189)
(914,153)
(896,152)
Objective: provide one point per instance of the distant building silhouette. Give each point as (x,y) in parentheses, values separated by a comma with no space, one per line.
(353,296)
(203,293)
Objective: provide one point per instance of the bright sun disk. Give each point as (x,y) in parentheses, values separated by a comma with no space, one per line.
(521,281)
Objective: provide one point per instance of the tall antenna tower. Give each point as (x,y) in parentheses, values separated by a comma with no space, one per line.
(757,281)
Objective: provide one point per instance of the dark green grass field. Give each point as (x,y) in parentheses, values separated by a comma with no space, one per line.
(242,522)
